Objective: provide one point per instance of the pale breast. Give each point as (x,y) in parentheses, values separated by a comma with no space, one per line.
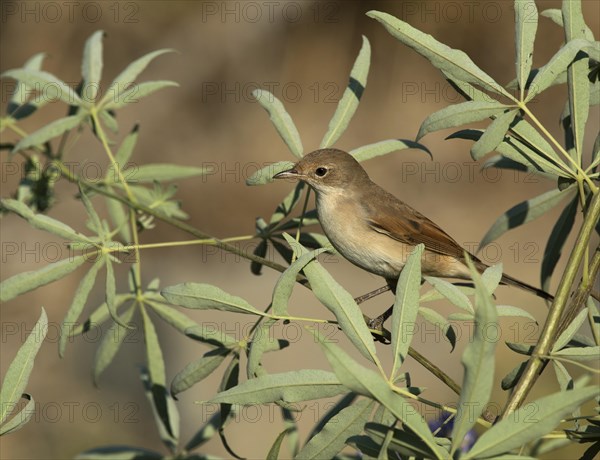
(346,227)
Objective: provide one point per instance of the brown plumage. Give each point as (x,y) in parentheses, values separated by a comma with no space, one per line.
(375,230)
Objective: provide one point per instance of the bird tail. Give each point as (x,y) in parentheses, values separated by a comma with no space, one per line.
(506,279)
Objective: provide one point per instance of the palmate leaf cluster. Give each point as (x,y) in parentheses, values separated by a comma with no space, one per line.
(376,413)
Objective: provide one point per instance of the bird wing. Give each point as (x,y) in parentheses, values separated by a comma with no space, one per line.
(405,224)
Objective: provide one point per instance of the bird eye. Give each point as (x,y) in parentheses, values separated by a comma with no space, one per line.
(321,171)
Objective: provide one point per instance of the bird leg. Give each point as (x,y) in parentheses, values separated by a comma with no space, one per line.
(370,295)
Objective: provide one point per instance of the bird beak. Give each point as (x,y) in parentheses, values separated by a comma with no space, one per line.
(289,174)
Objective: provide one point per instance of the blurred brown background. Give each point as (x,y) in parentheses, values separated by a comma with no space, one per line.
(303,52)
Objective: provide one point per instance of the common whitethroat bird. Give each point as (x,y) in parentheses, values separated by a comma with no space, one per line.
(375,230)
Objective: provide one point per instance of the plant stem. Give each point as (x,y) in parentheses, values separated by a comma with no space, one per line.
(536,362)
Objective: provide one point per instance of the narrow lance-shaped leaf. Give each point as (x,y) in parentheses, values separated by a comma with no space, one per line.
(206,297)
(406,307)
(331,439)
(119,453)
(526,211)
(454,63)
(494,134)
(154,354)
(28,281)
(292,386)
(566,336)
(19,370)
(49,131)
(478,360)
(577,78)
(79,300)
(460,114)
(286,282)
(91,66)
(50,86)
(162,172)
(556,241)
(282,121)
(526,21)
(115,336)
(44,222)
(111,292)
(441,323)
(262,339)
(198,370)
(451,292)
(20,419)
(273,453)
(265,175)
(351,97)
(558,64)
(166,416)
(20,105)
(525,425)
(128,76)
(339,301)
(137,92)
(99,316)
(366,152)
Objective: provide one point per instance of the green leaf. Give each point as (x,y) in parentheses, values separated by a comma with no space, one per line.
(437,320)
(577,78)
(276,447)
(112,341)
(91,66)
(137,92)
(119,453)
(206,297)
(166,416)
(28,281)
(162,172)
(565,337)
(594,320)
(119,217)
(525,425)
(526,19)
(286,282)
(453,293)
(198,370)
(331,439)
(282,121)
(556,241)
(509,310)
(406,307)
(51,87)
(111,293)
(79,300)
(128,76)
(491,277)
(265,175)
(19,370)
(351,97)
(95,222)
(478,360)
(21,418)
(20,104)
(293,386)
(556,16)
(124,153)
(366,152)
(562,375)
(339,302)
(287,205)
(368,383)
(44,222)
(578,353)
(109,121)
(494,134)
(455,63)
(460,114)
(525,212)
(262,340)
(558,64)
(511,379)
(154,354)
(49,131)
